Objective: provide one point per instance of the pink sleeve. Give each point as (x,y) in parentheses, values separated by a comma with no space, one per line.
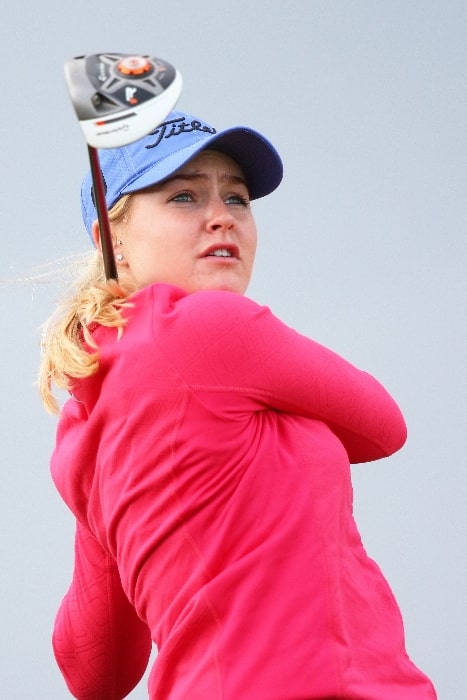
(101,646)
(245,348)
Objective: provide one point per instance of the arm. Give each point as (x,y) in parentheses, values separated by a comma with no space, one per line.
(100,644)
(243,346)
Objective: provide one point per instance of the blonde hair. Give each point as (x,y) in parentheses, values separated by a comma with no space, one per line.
(67,338)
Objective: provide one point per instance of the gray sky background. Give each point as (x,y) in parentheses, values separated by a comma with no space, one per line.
(363,248)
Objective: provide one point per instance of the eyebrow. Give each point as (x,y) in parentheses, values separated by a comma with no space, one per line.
(193,177)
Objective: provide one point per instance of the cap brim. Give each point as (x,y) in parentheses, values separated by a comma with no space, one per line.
(257,157)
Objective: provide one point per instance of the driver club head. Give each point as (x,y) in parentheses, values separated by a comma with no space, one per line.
(119,98)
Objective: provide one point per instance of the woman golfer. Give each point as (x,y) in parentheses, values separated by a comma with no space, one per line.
(204,452)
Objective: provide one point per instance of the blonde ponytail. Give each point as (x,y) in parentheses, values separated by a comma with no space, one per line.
(66,337)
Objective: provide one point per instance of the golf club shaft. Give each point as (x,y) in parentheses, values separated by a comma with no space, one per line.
(110,266)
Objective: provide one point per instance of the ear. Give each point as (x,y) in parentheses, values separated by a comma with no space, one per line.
(96,236)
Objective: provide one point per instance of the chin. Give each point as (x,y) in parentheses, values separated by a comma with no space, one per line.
(225,287)
(222,285)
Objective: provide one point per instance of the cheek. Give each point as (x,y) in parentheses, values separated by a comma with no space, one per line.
(163,258)
(253,241)
(147,243)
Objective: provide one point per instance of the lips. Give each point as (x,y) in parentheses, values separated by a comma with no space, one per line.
(222,251)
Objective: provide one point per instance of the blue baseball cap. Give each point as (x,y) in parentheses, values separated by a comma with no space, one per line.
(177,140)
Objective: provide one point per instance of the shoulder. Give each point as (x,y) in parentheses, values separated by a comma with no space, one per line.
(222,315)
(220,302)
(168,303)
(166,312)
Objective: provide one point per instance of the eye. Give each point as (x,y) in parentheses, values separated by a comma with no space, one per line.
(238,199)
(182,197)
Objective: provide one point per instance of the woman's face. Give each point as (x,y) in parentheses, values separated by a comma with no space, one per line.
(195,230)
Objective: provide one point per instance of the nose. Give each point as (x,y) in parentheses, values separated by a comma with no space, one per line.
(219,217)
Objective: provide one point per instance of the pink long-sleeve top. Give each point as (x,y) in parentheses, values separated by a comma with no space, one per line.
(207,465)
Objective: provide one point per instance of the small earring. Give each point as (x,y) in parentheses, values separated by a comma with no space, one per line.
(119,257)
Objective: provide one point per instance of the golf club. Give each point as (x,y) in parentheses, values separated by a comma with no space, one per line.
(118,98)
